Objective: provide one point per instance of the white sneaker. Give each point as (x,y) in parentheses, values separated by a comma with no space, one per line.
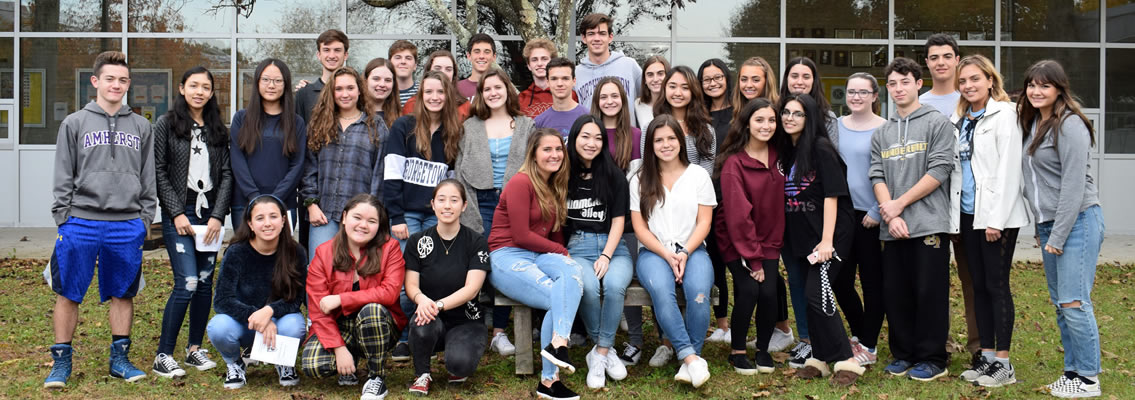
(780,340)
(662,356)
(615,368)
(683,374)
(500,344)
(596,369)
(699,372)
(720,335)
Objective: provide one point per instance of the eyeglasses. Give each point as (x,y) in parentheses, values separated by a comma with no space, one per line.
(716,78)
(270,82)
(860,93)
(793,114)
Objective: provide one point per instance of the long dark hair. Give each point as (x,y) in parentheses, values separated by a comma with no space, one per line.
(287,280)
(697,115)
(249,136)
(1066,105)
(739,136)
(181,122)
(817,91)
(342,260)
(650,175)
(604,172)
(390,107)
(730,85)
(624,140)
(813,138)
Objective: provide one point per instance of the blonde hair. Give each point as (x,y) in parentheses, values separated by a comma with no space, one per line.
(997,92)
(769,91)
(540,43)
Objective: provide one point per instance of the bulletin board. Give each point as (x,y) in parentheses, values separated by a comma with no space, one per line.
(33,96)
(150,94)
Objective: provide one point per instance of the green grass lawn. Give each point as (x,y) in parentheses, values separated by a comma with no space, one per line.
(25,335)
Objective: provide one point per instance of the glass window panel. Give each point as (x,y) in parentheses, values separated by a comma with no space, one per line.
(631,18)
(730,18)
(179,16)
(7,15)
(1120,91)
(71,15)
(1051,20)
(965,19)
(56,76)
(865,19)
(1121,21)
(639,51)
(842,62)
(4,115)
(292,16)
(298,54)
(1082,66)
(694,54)
(176,56)
(414,17)
(7,58)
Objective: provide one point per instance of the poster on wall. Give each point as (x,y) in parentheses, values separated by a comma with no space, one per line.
(33,96)
(151,91)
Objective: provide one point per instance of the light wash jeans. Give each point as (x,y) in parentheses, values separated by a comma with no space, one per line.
(317,235)
(417,221)
(654,273)
(228,335)
(548,281)
(1070,278)
(797,277)
(601,314)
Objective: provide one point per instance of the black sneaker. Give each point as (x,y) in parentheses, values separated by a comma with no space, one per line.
(166,366)
(374,389)
(348,380)
(199,359)
(401,352)
(558,356)
(234,377)
(557,391)
(630,354)
(801,353)
(765,363)
(977,368)
(741,364)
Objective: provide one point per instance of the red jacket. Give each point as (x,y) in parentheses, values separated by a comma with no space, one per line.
(324,280)
(517,221)
(536,100)
(750,221)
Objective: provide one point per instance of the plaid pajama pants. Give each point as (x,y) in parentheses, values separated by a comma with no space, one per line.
(370,334)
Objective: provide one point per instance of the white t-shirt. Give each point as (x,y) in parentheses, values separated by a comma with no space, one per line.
(674,220)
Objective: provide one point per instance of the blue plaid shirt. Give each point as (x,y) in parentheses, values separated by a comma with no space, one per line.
(350,165)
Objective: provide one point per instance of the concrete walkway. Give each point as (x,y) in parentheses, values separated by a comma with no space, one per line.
(38,243)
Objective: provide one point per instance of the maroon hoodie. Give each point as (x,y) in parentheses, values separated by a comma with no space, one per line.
(750,223)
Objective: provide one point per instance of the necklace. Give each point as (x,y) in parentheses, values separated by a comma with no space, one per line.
(356,116)
(451,242)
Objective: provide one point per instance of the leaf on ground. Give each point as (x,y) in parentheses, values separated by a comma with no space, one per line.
(853,389)
(1108,354)
(788,372)
(779,356)
(884,396)
(811,397)
(763,393)
(304,396)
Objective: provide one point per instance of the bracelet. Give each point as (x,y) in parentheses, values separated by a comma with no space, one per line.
(604,255)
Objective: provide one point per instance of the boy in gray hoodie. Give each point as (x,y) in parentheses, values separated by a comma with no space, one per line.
(596,32)
(913,171)
(105,197)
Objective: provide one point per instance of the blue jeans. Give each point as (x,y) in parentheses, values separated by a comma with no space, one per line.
(228,335)
(601,314)
(1070,278)
(192,283)
(487,201)
(797,276)
(654,273)
(317,235)
(549,281)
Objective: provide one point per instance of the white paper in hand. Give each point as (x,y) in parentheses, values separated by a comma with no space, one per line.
(199,239)
(284,353)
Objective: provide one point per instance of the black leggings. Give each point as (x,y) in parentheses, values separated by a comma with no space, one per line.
(748,294)
(989,265)
(866,254)
(721,310)
(463,344)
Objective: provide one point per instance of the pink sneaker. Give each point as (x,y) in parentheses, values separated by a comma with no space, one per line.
(862,355)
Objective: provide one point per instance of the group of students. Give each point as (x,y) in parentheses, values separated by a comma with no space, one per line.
(421,194)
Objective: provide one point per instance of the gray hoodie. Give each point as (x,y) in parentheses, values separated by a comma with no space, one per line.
(588,74)
(903,150)
(1058,180)
(104,167)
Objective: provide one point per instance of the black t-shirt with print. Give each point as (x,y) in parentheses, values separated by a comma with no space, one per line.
(804,203)
(444,264)
(587,213)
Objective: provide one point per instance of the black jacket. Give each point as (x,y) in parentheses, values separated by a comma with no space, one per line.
(171,162)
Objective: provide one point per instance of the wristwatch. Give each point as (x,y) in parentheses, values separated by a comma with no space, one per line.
(440,305)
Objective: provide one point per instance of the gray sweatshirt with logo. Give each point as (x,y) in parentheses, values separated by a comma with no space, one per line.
(104,167)
(1058,180)
(905,149)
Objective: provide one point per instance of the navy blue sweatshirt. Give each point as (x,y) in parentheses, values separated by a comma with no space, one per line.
(267,170)
(409,178)
(244,284)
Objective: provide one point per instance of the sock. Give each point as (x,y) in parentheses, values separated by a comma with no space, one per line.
(1004,362)
(988,356)
(115,338)
(66,343)
(1091,380)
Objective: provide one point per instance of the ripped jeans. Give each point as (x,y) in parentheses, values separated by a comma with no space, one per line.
(548,281)
(192,283)
(1070,278)
(654,274)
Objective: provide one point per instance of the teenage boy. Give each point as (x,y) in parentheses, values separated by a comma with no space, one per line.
(942,60)
(538,97)
(564,110)
(482,53)
(914,173)
(596,33)
(404,56)
(105,197)
(331,49)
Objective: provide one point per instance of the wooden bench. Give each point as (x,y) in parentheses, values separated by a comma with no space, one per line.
(522,321)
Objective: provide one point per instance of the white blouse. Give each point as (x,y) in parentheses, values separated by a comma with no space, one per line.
(673,220)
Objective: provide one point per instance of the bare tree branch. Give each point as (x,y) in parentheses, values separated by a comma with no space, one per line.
(450,20)
(472,14)
(385,3)
(563,26)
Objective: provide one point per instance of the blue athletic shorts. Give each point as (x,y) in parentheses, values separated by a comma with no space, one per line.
(116,246)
